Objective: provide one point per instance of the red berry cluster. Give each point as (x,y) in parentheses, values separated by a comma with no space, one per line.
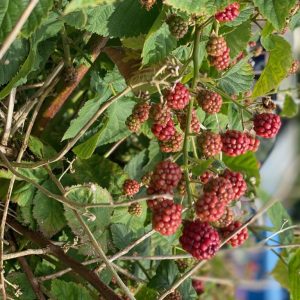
(237,181)
(218,52)
(206,176)
(140,114)
(195,124)
(267,125)
(209,101)
(229,13)
(178,97)
(210,144)
(235,142)
(131,187)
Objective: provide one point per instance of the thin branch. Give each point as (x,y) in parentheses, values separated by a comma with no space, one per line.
(25,253)
(114,147)
(14,33)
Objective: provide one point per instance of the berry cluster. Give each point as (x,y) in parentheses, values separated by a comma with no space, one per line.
(267,125)
(182,119)
(209,101)
(178,26)
(140,114)
(218,52)
(229,13)
(130,187)
(198,285)
(210,144)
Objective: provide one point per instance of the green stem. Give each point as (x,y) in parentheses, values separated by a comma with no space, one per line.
(66,47)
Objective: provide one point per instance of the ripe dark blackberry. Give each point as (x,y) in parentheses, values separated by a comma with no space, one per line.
(235,142)
(209,101)
(221,187)
(210,143)
(239,185)
(160,113)
(174,296)
(130,187)
(209,208)
(182,265)
(226,218)
(195,124)
(295,67)
(221,62)
(148,4)
(166,177)
(198,285)
(133,123)
(166,217)
(239,238)
(229,13)
(165,131)
(267,125)
(141,111)
(216,46)
(199,239)
(135,209)
(174,144)
(178,97)
(206,176)
(253,143)
(178,26)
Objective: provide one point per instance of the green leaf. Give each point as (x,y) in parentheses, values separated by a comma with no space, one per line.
(24,285)
(281,274)
(213,122)
(81,4)
(236,45)
(237,79)
(187,291)
(234,117)
(62,290)
(154,156)
(246,163)
(48,212)
(290,107)
(294,278)
(84,115)
(295,21)
(90,195)
(121,235)
(134,168)
(166,274)
(278,65)
(275,11)
(39,149)
(158,45)
(146,293)
(23,193)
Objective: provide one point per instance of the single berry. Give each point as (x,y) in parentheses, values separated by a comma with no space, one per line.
(148,4)
(239,238)
(130,187)
(133,123)
(195,124)
(178,97)
(163,132)
(206,176)
(209,101)
(198,285)
(199,239)
(166,177)
(135,209)
(210,143)
(174,296)
(239,185)
(174,144)
(182,265)
(141,111)
(221,187)
(160,113)
(166,218)
(226,218)
(229,13)
(267,125)
(178,26)
(221,62)
(235,142)
(216,46)
(253,143)
(209,208)
(295,67)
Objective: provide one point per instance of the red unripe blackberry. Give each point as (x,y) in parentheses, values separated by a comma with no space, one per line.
(295,67)
(253,143)
(239,238)
(209,101)
(226,218)
(199,239)
(198,285)
(174,296)
(206,176)
(166,217)
(160,113)
(221,62)
(163,132)
(174,144)
(178,26)
(221,187)
(148,4)
(195,124)
(216,46)
(239,185)
(209,208)
(133,123)
(141,111)
(130,187)
(135,209)
(182,265)
(178,97)
(267,125)
(166,177)
(210,143)
(235,142)
(229,13)
(154,203)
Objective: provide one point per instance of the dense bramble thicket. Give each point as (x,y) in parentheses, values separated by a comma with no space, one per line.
(129,132)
